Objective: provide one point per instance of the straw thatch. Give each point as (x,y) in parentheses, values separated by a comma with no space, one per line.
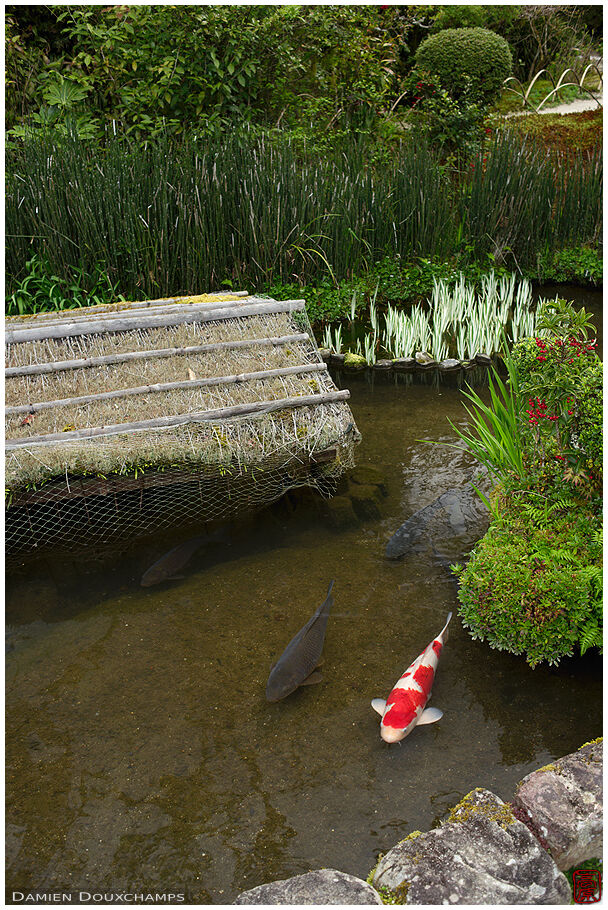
(217,383)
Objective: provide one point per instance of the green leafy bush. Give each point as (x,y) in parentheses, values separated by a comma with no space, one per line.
(460,17)
(560,378)
(448,124)
(589,420)
(580,265)
(533,583)
(40,290)
(175,69)
(463,56)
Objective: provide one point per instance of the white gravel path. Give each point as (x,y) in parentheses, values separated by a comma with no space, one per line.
(572,107)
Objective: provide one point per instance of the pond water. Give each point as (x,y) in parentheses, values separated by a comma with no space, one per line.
(142,755)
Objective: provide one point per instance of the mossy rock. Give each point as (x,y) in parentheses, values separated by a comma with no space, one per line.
(365,499)
(338,512)
(354,361)
(383,365)
(472,805)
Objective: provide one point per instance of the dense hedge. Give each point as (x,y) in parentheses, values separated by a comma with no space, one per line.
(464,56)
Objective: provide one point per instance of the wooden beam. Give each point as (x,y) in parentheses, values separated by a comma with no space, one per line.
(218,414)
(192,313)
(35,369)
(164,387)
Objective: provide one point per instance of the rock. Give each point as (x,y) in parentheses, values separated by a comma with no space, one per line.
(562,803)
(382,365)
(354,361)
(338,512)
(422,358)
(368,473)
(449,365)
(483,359)
(337,359)
(325,354)
(365,499)
(404,365)
(481,855)
(324,886)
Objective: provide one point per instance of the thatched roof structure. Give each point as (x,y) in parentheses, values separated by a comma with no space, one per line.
(222,385)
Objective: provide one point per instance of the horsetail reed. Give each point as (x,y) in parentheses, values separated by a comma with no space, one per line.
(174,217)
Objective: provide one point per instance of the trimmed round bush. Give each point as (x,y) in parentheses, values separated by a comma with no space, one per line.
(464,57)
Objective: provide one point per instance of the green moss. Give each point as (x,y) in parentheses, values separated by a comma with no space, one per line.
(397,895)
(370,877)
(467,808)
(354,360)
(550,767)
(593,742)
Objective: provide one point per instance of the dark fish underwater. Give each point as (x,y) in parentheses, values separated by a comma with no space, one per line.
(456,514)
(297,665)
(165,568)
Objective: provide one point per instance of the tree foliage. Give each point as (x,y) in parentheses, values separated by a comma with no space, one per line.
(180,69)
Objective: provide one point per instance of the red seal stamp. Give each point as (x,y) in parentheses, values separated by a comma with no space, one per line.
(587,886)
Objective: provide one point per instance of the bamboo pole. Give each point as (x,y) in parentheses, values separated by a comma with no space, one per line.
(164,387)
(35,369)
(219,414)
(151,321)
(83,314)
(119,305)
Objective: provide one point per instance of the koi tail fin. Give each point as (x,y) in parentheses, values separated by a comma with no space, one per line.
(444,631)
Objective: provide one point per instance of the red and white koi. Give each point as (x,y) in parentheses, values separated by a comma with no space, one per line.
(405,707)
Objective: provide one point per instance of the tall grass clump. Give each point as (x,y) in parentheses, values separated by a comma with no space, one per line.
(517,200)
(182,217)
(179,217)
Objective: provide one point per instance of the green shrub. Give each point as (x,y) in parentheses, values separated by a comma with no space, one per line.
(457,55)
(448,124)
(460,17)
(580,265)
(533,583)
(40,290)
(589,413)
(560,380)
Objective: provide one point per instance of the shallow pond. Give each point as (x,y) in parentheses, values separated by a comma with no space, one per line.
(142,755)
